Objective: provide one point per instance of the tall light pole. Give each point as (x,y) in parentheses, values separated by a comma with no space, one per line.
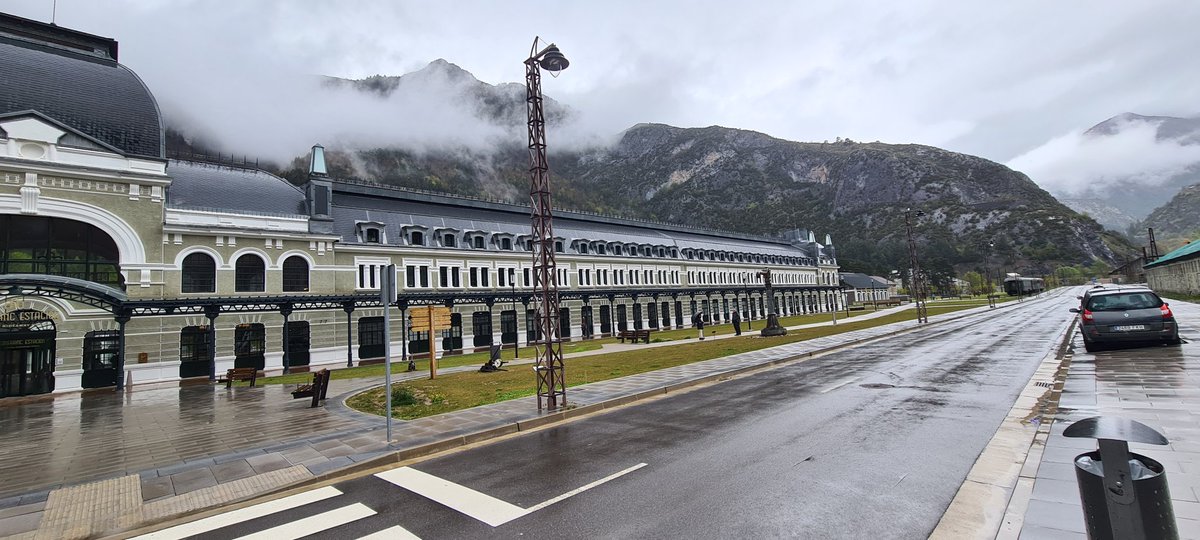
(746,307)
(917,284)
(551,385)
(987,272)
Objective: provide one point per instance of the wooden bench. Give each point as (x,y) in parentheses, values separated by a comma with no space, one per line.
(316,390)
(239,374)
(634,336)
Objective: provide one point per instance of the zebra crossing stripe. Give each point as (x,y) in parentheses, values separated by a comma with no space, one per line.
(483,507)
(313,524)
(392,533)
(242,514)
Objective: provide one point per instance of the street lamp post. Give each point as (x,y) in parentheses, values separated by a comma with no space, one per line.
(746,306)
(516,335)
(987,272)
(917,284)
(551,382)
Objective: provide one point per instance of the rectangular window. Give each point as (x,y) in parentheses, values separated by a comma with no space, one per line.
(501,280)
(474,273)
(370,337)
(424,271)
(443,276)
(410,276)
(485,276)
(526,272)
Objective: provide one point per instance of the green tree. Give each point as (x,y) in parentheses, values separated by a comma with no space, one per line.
(975,279)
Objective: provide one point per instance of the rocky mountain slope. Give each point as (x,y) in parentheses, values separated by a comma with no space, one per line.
(1120,204)
(1175,223)
(746,181)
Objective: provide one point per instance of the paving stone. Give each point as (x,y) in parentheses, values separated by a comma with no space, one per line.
(156,487)
(231,470)
(301,454)
(330,465)
(267,463)
(188,481)
(20,523)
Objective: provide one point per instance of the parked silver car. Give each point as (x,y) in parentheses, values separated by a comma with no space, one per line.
(1125,315)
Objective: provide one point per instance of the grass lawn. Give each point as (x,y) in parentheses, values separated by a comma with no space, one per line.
(476,359)
(416,399)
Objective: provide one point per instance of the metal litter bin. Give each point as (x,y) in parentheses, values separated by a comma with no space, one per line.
(1124,495)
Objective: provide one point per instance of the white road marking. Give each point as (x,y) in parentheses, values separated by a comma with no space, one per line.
(839,385)
(480,506)
(242,514)
(392,533)
(483,507)
(313,524)
(577,491)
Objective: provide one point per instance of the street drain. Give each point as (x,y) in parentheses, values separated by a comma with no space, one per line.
(877,386)
(1044,384)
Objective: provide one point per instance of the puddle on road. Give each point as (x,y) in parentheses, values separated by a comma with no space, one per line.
(877,386)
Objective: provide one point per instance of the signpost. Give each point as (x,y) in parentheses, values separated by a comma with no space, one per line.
(431,318)
(387,296)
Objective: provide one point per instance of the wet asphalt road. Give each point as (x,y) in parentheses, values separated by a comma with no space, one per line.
(869,442)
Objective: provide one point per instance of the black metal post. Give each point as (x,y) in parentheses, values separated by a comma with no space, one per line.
(286,311)
(122,318)
(348,307)
(211,312)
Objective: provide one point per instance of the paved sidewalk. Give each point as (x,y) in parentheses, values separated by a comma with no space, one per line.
(194,447)
(1158,386)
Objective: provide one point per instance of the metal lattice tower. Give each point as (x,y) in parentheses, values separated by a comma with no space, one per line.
(551,386)
(918,284)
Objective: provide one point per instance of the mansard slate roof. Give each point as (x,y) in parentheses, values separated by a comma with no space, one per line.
(862,281)
(396,209)
(94,95)
(221,188)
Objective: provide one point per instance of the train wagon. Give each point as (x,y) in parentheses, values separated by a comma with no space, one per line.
(1016,285)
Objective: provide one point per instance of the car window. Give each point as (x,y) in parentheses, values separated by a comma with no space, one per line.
(1121,302)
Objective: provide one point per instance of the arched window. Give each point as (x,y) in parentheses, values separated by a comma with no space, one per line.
(583,248)
(448,240)
(58,247)
(199,274)
(600,249)
(558,246)
(295,274)
(249,274)
(417,238)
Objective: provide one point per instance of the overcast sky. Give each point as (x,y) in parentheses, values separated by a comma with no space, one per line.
(1001,80)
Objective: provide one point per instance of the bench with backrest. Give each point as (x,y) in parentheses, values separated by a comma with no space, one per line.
(316,390)
(239,374)
(634,336)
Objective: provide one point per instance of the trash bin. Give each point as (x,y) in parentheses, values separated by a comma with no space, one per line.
(1125,496)
(1150,494)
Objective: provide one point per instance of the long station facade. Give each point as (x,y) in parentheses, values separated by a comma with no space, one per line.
(121,266)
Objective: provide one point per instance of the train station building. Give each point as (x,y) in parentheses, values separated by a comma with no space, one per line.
(121,266)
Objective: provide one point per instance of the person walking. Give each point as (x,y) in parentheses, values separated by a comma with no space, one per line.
(698,320)
(737,323)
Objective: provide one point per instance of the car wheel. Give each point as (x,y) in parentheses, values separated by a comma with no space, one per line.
(1090,347)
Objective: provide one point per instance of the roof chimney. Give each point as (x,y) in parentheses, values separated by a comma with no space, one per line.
(319,193)
(316,163)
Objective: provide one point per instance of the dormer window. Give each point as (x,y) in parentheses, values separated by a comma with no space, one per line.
(506,243)
(371,232)
(417,238)
(583,248)
(449,240)
(558,246)
(662,252)
(600,249)
(477,242)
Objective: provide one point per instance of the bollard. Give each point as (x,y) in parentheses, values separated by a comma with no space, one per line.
(1124,495)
